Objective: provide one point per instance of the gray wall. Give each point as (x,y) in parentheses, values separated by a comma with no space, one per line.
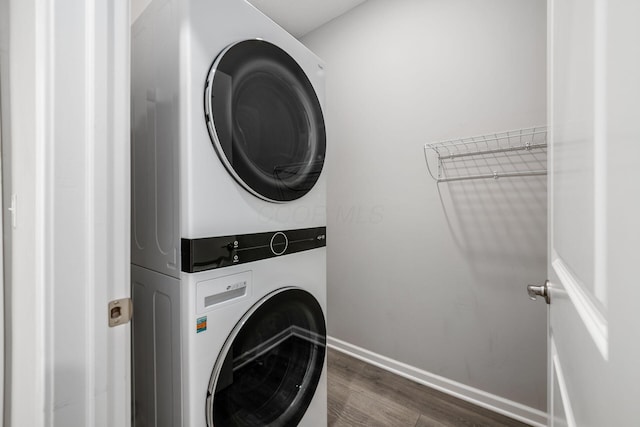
(434,275)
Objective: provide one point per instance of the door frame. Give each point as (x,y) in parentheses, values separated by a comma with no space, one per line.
(69,151)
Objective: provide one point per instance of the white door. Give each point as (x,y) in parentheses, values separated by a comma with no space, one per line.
(594,213)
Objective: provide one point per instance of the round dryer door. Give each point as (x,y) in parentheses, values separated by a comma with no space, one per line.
(265,120)
(270,366)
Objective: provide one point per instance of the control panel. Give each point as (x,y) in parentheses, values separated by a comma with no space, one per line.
(217,252)
(215,292)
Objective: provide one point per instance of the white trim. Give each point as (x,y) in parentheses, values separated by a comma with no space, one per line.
(44,266)
(550,178)
(564,394)
(2,258)
(91,185)
(600,151)
(593,319)
(550,130)
(118,186)
(473,395)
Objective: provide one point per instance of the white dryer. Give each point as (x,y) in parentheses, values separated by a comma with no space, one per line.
(228,131)
(228,219)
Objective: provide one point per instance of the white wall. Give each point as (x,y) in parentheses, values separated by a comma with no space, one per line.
(434,276)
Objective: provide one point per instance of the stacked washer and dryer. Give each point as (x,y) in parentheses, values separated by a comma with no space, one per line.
(228,220)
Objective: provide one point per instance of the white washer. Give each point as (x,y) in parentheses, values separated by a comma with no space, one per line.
(228,218)
(252,344)
(228,129)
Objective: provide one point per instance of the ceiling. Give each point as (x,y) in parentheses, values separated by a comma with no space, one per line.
(300,17)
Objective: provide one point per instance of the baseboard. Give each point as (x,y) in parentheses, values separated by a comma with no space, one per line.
(490,401)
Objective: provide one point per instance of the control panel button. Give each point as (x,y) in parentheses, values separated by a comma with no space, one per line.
(279,243)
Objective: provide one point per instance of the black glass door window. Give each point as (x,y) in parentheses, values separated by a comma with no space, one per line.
(265,120)
(271,364)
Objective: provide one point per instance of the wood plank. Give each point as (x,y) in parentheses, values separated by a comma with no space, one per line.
(367,409)
(363,394)
(425,421)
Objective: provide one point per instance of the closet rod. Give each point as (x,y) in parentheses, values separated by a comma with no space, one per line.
(494,175)
(526,147)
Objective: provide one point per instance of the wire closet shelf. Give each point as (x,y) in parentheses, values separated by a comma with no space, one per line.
(521,152)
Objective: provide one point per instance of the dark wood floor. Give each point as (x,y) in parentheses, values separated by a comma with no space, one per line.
(364,395)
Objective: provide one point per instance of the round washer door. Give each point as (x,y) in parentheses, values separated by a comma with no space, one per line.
(265,120)
(270,366)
